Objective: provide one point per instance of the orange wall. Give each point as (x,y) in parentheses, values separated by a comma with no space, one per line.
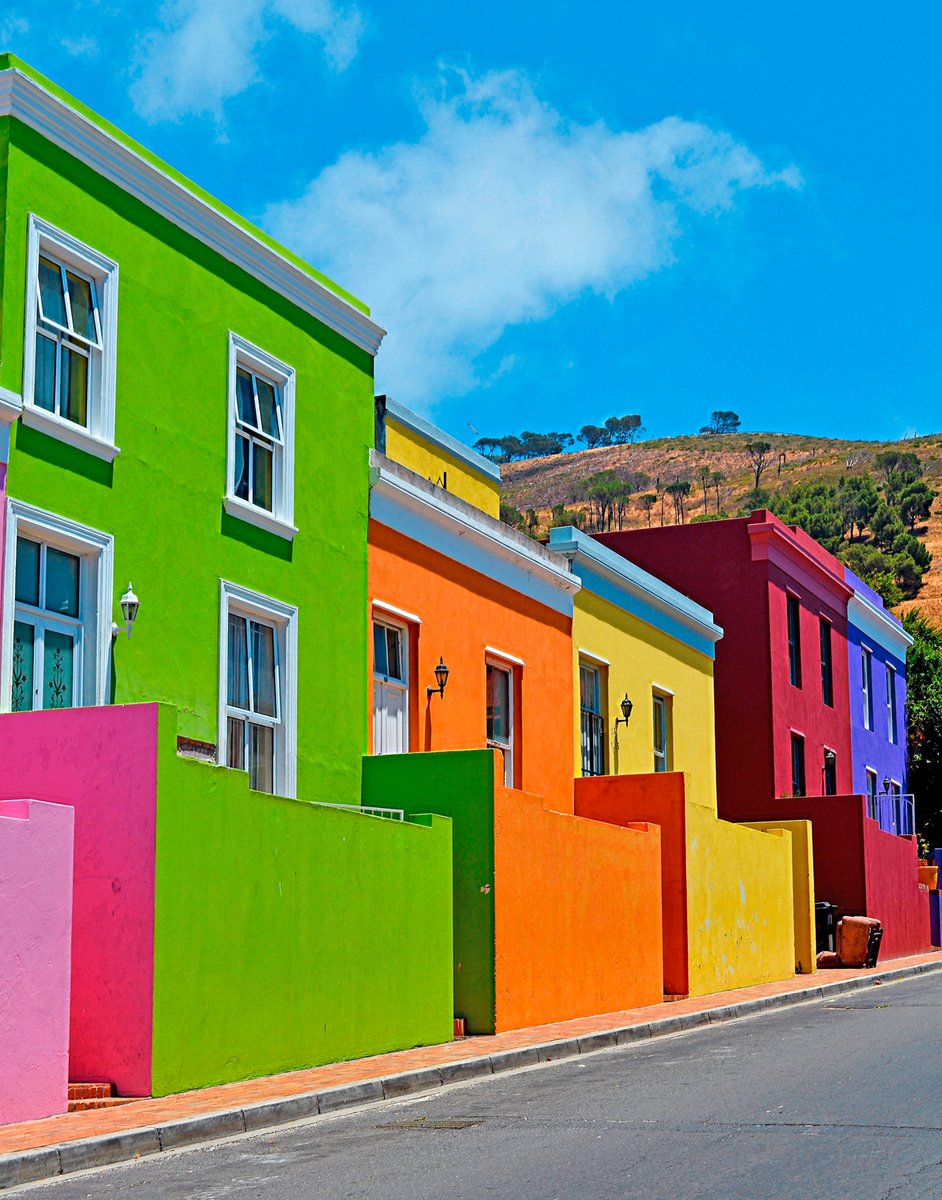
(623,799)
(462,612)
(578,929)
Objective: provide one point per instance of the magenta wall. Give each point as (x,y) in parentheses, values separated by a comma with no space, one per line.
(35,936)
(103,763)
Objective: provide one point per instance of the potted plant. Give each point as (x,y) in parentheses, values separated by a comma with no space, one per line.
(929,875)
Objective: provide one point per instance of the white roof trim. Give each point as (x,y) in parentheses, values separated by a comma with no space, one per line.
(434,503)
(11,406)
(878,624)
(493,652)
(392,611)
(26,100)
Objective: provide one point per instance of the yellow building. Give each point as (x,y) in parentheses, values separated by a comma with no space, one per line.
(736,898)
(417,444)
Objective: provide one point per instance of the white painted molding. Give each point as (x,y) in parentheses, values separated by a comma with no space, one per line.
(392,611)
(11,405)
(593,658)
(493,652)
(69,432)
(26,100)
(258,517)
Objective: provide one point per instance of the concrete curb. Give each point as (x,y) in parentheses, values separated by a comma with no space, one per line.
(50,1162)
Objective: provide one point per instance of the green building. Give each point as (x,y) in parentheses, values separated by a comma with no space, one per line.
(186,405)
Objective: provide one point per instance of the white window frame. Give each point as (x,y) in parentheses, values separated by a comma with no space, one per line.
(97,437)
(871,776)
(284,617)
(866,684)
(892,724)
(280,521)
(663,700)
(507,666)
(381,617)
(95,600)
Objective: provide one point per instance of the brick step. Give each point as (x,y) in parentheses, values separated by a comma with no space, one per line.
(99,1102)
(91,1091)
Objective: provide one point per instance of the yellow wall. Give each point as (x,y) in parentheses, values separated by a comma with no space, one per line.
(414,452)
(740,911)
(641,658)
(803,877)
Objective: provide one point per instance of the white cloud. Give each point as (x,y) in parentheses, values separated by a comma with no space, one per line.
(12,26)
(84,46)
(502,212)
(206,51)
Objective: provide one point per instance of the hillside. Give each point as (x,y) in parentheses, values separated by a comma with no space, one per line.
(541,483)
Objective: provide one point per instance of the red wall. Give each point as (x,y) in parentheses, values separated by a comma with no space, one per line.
(904,910)
(624,799)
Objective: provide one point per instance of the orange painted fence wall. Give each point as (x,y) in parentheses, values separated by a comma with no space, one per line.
(462,612)
(577,914)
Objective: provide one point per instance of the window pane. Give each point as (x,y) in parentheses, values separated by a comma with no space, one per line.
(242,449)
(27,571)
(44,385)
(51,300)
(83,310)
(245,399)
(380,661)
(394,653)
(238,690)
(58,655)
(261,758)
(263,669)
(261,481)
(498,705)
(235,743)
(73,387)
(589,689)
(62,582)
(267,405)
(23,641)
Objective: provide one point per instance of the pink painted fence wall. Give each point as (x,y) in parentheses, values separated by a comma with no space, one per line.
(102,762)
(35,936)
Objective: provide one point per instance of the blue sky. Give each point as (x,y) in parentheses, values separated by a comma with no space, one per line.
(567,211)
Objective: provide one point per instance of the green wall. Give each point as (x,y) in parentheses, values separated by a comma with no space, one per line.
(460,785)
(162,497)
(288,934)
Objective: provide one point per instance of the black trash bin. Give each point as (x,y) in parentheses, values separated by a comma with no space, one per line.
(825,923)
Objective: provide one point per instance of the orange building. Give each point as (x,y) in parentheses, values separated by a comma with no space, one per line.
(556,915)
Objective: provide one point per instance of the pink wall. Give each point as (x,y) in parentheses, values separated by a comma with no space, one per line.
(893,892)
(103,763)
(35,936)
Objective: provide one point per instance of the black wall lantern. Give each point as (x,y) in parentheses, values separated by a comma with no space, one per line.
(626,706)
(441,678)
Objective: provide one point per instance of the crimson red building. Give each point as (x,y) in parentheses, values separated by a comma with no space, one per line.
(782,694)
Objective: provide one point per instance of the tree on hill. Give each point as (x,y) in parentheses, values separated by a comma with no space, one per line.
(562,517)
(705,478)
(593,435)
(898,469)
(760,456)
(915,503)
(722,421)
(622,430)
(716,479)
(647,502)
(678,491)
(607,495)
(924,722)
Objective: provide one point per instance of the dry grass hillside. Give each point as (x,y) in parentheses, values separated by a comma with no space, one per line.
(542,483)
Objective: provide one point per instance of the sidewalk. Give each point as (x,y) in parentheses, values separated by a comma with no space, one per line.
(76,1141)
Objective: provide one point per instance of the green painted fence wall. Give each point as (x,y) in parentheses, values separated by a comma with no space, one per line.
(459,784)
(161,499)
(289,934)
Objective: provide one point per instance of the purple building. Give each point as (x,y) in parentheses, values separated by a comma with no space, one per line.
(877,645)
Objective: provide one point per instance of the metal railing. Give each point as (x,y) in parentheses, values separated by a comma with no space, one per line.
(895,813)
(593,742)
(388,814)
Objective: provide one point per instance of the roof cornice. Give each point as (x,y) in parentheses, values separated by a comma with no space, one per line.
(26,100)
(878,624)
(408,491)
(768,537)
(444,441)
(634,583)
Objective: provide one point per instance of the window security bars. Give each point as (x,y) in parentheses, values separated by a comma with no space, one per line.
(593,742)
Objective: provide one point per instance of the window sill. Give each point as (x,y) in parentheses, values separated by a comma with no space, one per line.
(259,517)
(11,406)
(67,431)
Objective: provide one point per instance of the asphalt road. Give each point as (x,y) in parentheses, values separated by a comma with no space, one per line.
(821,1102)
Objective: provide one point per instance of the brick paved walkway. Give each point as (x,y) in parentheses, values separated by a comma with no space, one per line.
(72,1127)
